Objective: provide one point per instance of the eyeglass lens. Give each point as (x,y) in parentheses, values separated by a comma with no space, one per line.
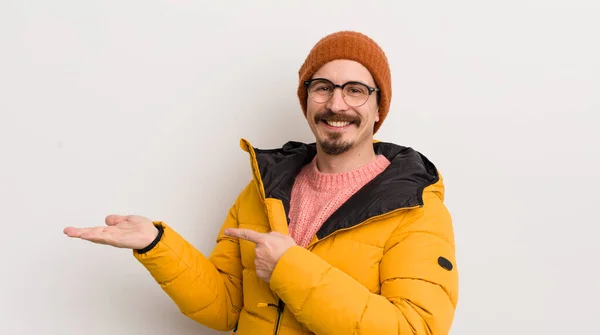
(354,94)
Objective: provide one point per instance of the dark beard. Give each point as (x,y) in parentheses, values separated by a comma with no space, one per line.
(334,145)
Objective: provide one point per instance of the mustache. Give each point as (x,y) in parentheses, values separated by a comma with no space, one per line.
(331,116)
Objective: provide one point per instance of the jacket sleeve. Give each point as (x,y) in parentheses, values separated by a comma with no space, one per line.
(418,277)
(206,289)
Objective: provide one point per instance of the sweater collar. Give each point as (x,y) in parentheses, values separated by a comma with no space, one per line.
(332,182)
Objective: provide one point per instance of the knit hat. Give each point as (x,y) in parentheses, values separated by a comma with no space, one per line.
(352,46)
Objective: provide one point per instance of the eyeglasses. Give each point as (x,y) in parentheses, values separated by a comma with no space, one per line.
(354,93)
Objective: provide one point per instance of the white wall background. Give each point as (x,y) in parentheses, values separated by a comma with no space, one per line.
(138,106)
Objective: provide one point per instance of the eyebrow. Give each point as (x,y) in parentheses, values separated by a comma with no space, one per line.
(347,81)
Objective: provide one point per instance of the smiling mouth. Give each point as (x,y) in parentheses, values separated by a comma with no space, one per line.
(337,124)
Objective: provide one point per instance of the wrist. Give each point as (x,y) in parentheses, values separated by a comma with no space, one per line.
(158,233)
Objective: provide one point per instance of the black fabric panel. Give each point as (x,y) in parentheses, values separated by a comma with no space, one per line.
(400,185)
(279,168)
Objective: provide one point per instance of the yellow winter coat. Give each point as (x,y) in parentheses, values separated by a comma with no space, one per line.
(384,263)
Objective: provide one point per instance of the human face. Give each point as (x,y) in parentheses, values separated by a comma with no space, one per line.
(337,126)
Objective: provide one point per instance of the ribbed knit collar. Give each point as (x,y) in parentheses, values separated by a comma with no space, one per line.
(330,182)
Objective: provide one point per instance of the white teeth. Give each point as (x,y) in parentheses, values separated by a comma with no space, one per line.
(337,123)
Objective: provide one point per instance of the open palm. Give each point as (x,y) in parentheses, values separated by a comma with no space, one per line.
(131,231)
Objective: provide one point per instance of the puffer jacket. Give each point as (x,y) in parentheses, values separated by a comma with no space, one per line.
(384,263)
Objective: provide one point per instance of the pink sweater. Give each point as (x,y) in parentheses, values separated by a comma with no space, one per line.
(316,195)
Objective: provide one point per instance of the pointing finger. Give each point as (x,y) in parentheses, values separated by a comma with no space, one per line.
(246,234)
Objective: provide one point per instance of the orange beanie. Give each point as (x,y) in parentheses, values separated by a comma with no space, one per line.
(352,46)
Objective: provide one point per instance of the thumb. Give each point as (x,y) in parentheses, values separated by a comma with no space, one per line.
(114,219)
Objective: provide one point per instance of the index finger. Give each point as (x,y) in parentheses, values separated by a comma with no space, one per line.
(246,234)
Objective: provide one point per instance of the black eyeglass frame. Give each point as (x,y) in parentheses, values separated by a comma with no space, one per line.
(371,89)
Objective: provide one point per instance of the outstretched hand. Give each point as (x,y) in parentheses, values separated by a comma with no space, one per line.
(131,231)
(269,248)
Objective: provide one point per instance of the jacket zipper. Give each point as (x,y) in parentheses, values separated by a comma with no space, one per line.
(279,306)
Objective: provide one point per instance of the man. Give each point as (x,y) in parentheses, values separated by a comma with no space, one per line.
(343,236)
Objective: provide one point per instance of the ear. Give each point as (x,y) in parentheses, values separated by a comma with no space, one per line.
(377,115)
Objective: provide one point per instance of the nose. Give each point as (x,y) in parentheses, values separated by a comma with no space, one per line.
(337,103)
